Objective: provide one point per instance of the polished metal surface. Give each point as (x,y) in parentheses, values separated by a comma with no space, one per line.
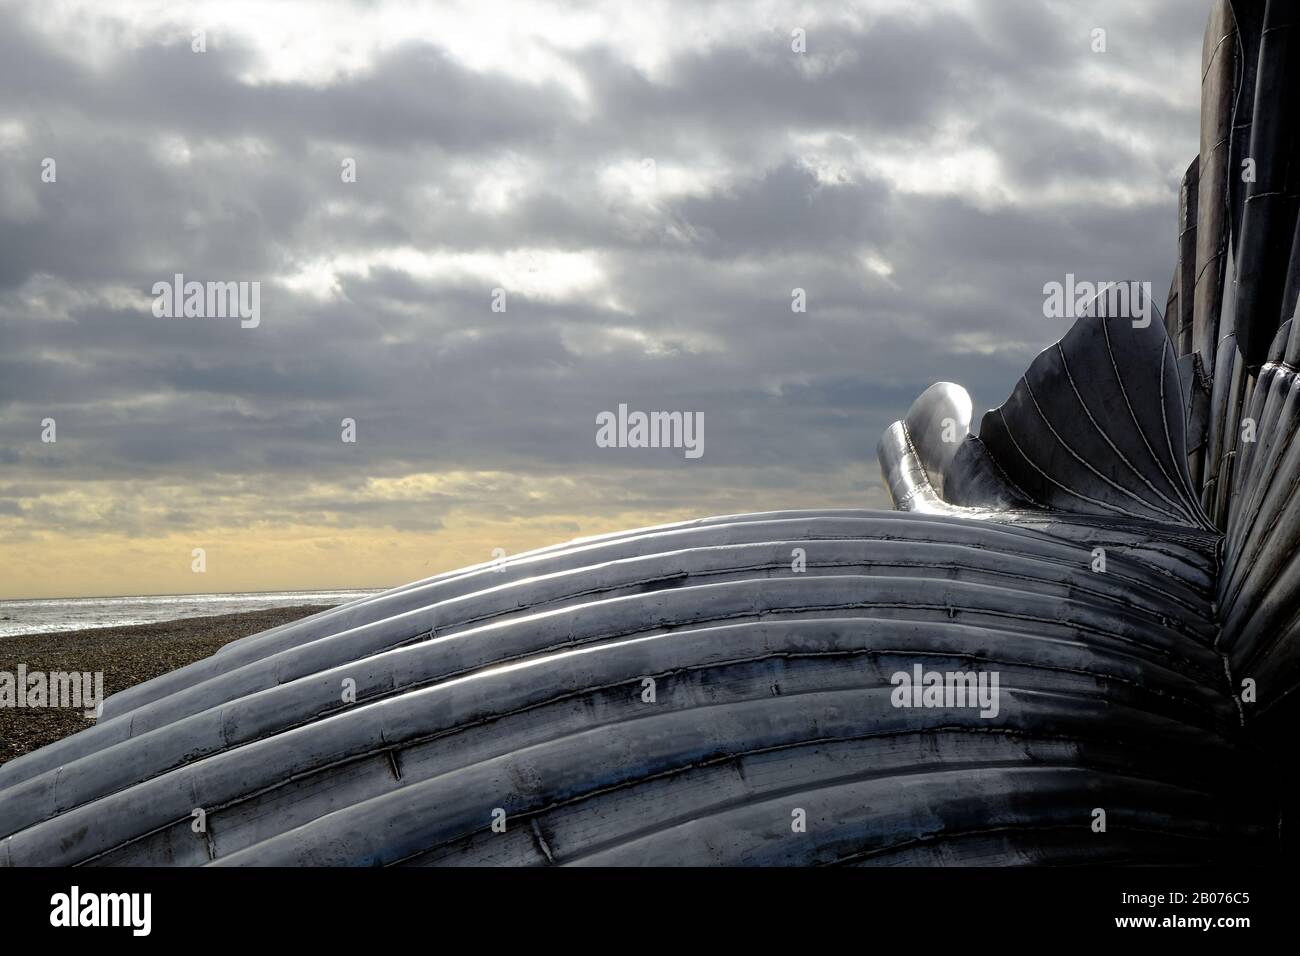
(1115,546)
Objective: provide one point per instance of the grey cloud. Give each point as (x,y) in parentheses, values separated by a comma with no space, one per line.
(436,380)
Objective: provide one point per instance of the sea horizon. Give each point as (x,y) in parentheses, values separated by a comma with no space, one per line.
(66,614)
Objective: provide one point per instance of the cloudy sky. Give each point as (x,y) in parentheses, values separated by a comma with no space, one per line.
(646,181)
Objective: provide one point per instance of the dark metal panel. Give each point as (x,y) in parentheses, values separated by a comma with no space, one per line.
(1214,200)
(1269,214)
(1188,198)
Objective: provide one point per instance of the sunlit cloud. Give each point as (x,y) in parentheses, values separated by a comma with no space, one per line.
(557,208)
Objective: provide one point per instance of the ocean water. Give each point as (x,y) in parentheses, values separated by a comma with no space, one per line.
(75,614)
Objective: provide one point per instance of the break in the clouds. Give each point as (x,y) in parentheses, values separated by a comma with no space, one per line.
(647,183)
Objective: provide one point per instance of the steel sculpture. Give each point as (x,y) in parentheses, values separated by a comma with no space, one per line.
(1115,544)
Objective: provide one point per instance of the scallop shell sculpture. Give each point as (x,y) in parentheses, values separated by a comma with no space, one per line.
(1114,547)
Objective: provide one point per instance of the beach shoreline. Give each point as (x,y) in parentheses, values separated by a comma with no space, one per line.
(126,656)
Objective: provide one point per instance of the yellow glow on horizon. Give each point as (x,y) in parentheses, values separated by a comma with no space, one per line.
(290,558)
